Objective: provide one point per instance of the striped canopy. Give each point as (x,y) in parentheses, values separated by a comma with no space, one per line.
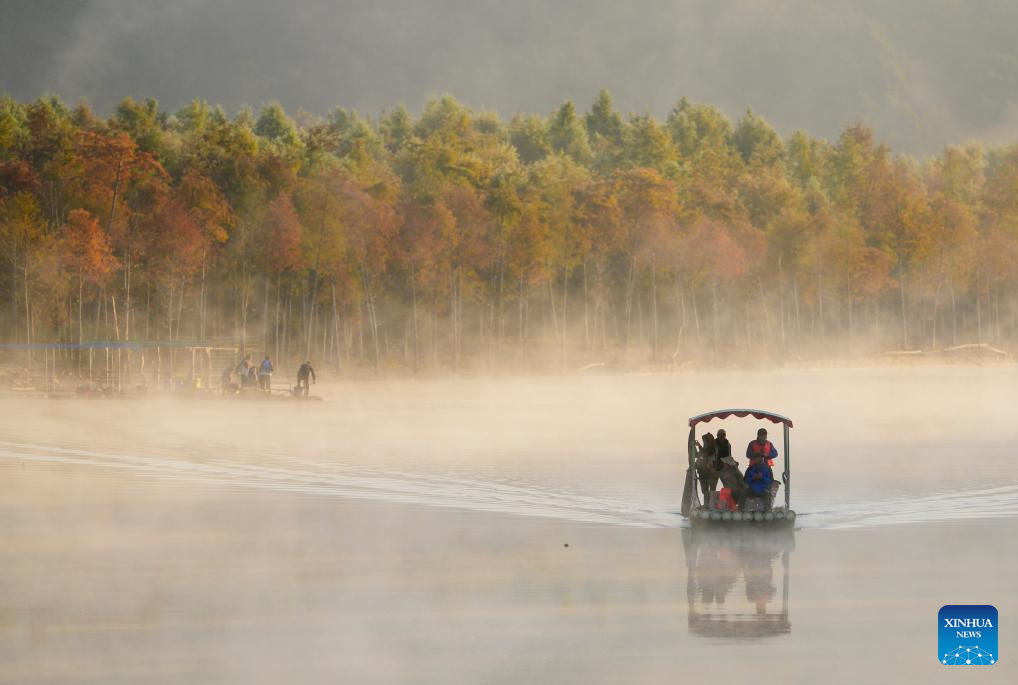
(741,413)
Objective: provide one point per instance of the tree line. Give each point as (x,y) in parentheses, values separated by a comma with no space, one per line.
(457,240)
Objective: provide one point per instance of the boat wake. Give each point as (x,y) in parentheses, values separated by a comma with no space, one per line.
(957,505)
(285,474)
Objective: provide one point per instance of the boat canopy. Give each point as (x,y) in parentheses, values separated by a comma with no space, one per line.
(755,413)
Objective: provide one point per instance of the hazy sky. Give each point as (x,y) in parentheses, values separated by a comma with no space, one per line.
(925,73)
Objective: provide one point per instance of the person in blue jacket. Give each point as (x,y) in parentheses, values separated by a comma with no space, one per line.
(265,370)
(759,478)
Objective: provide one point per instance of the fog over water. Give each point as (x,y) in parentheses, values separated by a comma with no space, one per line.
(417,531)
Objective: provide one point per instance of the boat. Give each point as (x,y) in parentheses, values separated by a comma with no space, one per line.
(702,515)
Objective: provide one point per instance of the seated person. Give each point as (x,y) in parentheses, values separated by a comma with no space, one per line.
(732,478)
(759,479)
(762,447)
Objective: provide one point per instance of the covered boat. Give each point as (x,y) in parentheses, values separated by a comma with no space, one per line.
(762,513)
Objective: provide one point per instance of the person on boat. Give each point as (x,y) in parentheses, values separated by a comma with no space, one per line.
(707,466)
(265,374)
(759,478)
(761,447)
(724,447)
(303,373)
(732,478)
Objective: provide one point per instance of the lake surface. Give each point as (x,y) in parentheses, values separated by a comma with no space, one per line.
(503,531)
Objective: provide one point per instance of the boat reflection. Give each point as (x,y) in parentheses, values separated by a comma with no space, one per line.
(731,586)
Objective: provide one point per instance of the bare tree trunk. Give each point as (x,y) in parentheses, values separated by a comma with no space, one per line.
(265,315)
(245,293)
(28,316)
(979,310)
(526,319)
(434,330)
(201,301)
(454,318)
(848,296)
(551,301)
(180,311)
(746,318)
(520,328)
(563,361)
(14,296)
(820,307)
(798,321)
(696,322)
(98,312)
(954,314)
(714,317)
(413,296)
(904,312)
(629,303)
(586,312)
(275,325)
(336,331)
(766,314)
(287,316)
(781,300)
(653,311)
(681,297)
(372,316)
(936,309)
(116,331)
(996,315)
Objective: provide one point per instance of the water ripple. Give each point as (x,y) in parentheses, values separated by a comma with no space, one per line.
(285,474)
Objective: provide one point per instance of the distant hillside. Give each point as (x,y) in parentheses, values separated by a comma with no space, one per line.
(923,73)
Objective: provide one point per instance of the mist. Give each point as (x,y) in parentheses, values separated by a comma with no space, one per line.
(501,529)
(923,74)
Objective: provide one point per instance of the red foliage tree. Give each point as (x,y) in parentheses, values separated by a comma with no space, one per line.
(280,236)
(87,249)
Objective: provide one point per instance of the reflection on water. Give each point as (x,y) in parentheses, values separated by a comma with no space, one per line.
(733,579)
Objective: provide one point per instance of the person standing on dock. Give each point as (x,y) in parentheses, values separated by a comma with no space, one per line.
(265,374)
(243,371)
(303,373)
(226,382)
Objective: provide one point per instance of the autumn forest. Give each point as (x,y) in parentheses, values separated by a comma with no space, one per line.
(458,241)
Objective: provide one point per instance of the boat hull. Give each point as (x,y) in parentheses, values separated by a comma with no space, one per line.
(705,518)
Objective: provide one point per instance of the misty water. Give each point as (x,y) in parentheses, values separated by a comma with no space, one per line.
(502,531)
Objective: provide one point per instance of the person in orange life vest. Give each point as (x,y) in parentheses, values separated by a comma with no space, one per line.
(761,447)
